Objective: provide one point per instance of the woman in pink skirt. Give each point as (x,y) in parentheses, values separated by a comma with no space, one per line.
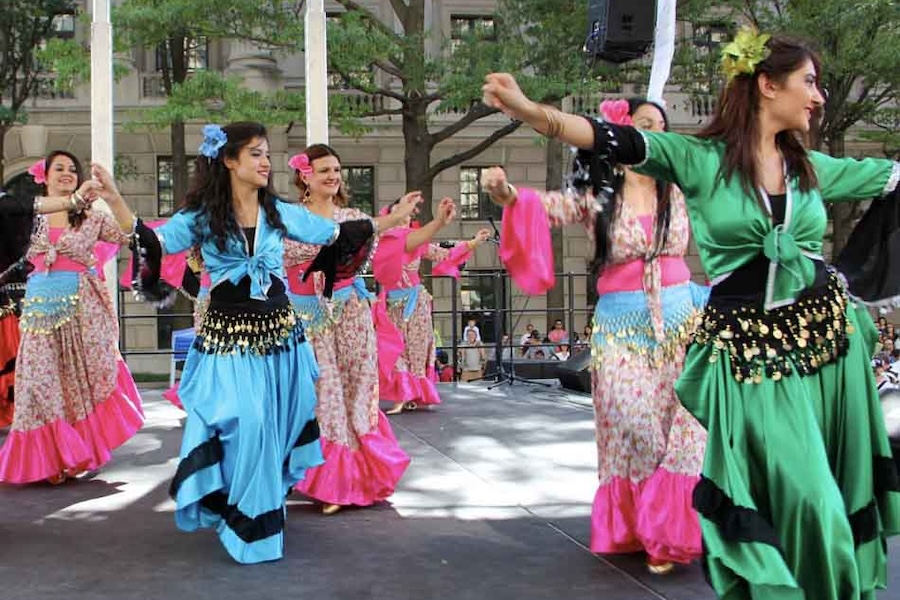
(363,461)
(649,448)
(75,398)
(406,349)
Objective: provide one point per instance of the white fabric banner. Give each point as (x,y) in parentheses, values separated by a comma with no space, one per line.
(663,49)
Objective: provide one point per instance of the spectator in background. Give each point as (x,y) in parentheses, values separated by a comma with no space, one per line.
(472,326)
(443,368)
(558,334)
(471,358)
(524,340)
(562,353)
(890,333)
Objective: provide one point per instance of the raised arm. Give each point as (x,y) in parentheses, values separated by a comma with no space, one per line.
(445,214)
(563,208)
(109,191)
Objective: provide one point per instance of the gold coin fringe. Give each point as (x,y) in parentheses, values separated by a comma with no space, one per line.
(802,337)
(248,332)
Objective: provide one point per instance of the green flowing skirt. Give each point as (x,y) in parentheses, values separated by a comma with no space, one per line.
(799,492)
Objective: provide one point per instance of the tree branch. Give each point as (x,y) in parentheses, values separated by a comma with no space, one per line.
(389,69)
(399,9)
(476,112)
(475,150)
(371,18)
(382,112)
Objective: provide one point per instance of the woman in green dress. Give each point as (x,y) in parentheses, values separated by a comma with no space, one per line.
(798,492)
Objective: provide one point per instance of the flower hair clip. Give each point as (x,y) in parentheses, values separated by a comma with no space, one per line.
(300,162)
(746,50)
(214,138)
(616,112)
(39,171)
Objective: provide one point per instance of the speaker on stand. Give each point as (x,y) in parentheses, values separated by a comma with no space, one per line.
(620,30)
(575,374)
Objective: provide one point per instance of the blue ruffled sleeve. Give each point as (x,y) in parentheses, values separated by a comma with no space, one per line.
(304,226)
(178,233)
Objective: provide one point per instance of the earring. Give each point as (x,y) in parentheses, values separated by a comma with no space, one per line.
(305,199)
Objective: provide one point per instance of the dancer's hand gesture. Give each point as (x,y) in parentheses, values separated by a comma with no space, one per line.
(481,237)
(494,183)
(446,211)
(407,206)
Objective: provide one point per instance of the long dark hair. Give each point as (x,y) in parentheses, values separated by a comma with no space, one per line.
(210,189)
(736,119)
(605,220)
(314,152)
(75,218)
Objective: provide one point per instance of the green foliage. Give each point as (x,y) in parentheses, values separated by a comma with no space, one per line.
(148,23)
(25,25)
(210,97)
(857,40)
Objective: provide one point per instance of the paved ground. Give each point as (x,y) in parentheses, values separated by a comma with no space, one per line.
(495,506)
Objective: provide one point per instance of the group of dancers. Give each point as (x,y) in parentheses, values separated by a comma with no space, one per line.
(738,423)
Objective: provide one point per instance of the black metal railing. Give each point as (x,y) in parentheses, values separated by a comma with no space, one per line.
(494,321)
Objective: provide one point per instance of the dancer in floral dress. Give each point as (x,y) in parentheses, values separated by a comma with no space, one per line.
(649,448)
(75,398)
(16,225)
(363,461)
(406,349)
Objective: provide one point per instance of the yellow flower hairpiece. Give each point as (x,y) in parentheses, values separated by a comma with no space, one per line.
(746,50)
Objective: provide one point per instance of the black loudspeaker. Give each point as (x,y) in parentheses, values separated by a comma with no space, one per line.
(620,30)
(575,373)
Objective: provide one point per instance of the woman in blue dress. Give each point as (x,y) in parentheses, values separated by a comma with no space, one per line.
(249,380)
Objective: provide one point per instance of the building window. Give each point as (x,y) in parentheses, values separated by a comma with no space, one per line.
(165,202)
(475,204)
(463,27)
(360,183)
(64,25)
(172,318)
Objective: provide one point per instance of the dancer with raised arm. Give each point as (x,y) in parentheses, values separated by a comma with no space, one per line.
(406,350)
(649,448)
(779,369)
(249,379)
(363,461)
(75,400)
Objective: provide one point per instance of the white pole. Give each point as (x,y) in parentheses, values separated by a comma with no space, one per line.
(315,47)
(102,109)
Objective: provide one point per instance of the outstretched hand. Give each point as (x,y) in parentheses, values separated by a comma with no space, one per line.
(494,182)
(501,91)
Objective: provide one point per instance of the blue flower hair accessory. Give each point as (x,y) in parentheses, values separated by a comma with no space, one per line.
(214,138)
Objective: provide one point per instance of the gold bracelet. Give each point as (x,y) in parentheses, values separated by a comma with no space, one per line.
(555,125)
(38,204)
(74,203)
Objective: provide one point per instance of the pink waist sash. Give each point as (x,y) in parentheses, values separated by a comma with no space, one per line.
(628,277)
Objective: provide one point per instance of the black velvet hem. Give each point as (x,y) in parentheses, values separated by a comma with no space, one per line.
(309,434)
(9,367)
(205,455)
(735,523)
(249,529)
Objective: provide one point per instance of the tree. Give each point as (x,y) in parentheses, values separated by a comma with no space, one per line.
(179,30)
(413,74)
(858,43)
(26,48)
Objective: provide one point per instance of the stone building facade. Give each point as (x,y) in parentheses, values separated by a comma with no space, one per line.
(374,164)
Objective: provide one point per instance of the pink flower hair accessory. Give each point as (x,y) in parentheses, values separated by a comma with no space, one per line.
(300,162)
(39,171)
(616,112)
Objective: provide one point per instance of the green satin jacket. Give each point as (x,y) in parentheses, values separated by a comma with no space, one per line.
(729,226)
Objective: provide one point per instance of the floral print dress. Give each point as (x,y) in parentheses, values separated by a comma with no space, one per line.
(75,398)
(649,448)
(363,460)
